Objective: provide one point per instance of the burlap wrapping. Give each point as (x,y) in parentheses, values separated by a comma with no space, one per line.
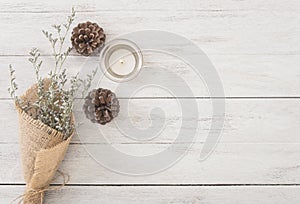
(42,150)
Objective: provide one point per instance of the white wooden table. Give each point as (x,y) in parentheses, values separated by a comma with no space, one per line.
(255,47)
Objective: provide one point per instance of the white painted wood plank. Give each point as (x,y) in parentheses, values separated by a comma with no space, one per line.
(225,32)
(228,164)
(247,121)
(100,5)
(137,195)
(241,75)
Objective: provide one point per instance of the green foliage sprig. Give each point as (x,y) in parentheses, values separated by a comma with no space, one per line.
(55,103)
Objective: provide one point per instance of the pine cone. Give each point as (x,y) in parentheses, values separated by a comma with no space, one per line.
(87,37)
(101,106)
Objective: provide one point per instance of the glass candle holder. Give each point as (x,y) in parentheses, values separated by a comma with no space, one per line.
(121,60)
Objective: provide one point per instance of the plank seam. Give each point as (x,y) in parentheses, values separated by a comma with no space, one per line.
(199,97)
(128,10)
(209,54)
(162,185)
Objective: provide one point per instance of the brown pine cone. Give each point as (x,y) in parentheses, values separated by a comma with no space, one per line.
(101,106)
(87,37)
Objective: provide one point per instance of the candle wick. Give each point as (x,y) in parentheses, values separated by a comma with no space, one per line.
(121,61)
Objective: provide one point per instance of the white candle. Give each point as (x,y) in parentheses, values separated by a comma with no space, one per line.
(122,62)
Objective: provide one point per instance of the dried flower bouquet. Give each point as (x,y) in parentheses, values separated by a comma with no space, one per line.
(46,122)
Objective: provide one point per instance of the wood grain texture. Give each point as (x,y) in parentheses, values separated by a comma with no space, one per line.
(150,195)
(225,32)
(258,145)
(229,164)
(247,121)
(241,75)
(140,5)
